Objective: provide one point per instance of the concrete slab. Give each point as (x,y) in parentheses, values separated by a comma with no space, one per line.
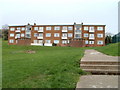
(98,81)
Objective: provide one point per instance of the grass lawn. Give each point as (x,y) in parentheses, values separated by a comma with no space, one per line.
(0,63)
(111,49)
(49,67)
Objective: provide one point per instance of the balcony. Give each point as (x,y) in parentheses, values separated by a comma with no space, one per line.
(91,38)
(64,30)
(37,44)
(64,37)
(17,31)
(91,31)
(39,37)
(40,30)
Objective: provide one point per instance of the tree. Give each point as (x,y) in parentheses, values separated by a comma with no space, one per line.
(108,40)
(5,31)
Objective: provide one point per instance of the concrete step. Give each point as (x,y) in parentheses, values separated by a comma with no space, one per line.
(102,71)
(100,62)
(89,66)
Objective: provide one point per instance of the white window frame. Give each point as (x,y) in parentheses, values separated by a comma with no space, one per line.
(56,35)
(99,28)
(48,28)
(36,28)
(91,29)
(86,42)
(18,35)
(22,34)
(11,34)
(11,41)
(12,29)
(23,28)
(57,28)
(40,41)
(18,28)
(48,41)
(56,41)
(64,41)
(100,35)
(35,41)
(64,34)
(92,36)
(86,35)
(86,28)
(48,34)
(91,42)
(64,28)
(70,27)
(40,35)
(98,42)
(35,34)
(41,28)
(70,35)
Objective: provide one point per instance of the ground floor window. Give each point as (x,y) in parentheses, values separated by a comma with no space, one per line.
(64,41)
(56,41)
(99,42)
(11,41)
(91,42)
(40,41)
(35,41)
(47,41)
(86,42)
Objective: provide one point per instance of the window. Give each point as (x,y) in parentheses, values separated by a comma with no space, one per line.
(56,34)
(100,35)
(64,42)
(22,35)
(35,28)
(91,36)
(35,41)
(48,28)
(91,29)
(18,28)
(77,35)
(48,34)
(35,34)
(41,28)
(70,34)
(86,41)
(64,28)
(77,31)
(11,41)
(64,35)
(47,41)
(56,41)
(12,29)
(57,28)
(68,41)
(91,42)
(99,28)
(99,42)
(40,35)
(85,28)
(40,41)
(18,35)
(70,28)
(22,28)
(12,35)
(85,34)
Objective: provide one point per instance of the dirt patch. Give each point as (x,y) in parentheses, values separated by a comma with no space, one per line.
(30,51)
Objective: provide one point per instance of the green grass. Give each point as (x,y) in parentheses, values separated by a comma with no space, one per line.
(0,63)
(49,67)
(111,49)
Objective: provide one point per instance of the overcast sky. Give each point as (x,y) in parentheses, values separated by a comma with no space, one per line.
(60,11)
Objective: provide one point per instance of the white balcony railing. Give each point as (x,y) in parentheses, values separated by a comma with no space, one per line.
(40,30)
(39,37)
(64,37)
(17,31)
(91,38)
(64,30)
(91,30)
(37,44)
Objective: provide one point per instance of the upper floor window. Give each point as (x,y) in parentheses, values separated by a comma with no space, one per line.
(100,35)
(56,34)
(85,34)
(18,35)
(64,28)
(41,28)
(91,29)
(22,35)
(48,28)
(35,34)
(12,29)
(64,35)
(99,28)
(12,35)
(70,34)
(91,42)
(70,28)
(40,35)
(85,28)
(22,28)
(35,28)
(18,28)
(48,34)
(57,28)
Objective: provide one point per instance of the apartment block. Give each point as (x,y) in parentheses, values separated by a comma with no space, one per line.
(76,35)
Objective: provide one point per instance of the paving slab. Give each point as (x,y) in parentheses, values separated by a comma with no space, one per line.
(98,81)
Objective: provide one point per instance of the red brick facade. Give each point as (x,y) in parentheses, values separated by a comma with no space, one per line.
(61,35)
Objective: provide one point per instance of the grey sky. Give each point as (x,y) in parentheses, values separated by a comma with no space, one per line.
(60,11)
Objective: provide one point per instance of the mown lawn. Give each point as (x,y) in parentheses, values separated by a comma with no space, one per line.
(49,67)
(111,49)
